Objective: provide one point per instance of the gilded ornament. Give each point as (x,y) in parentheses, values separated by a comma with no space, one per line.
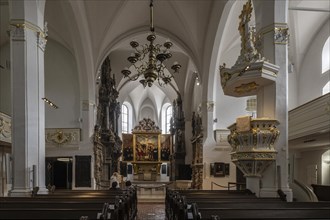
(281,35)
(245,88)
(254,148)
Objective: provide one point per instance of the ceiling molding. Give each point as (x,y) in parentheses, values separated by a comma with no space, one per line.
(309,9)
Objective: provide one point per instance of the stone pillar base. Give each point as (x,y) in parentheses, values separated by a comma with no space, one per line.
(253,184)
(20,193)
(43,191)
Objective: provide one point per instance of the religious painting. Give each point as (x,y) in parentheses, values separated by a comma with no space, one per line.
(219,170)
(146,147)
(128,153)
(165,149)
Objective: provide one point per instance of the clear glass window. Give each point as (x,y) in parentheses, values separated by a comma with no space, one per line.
(168,117)
(326,56)
(124,119)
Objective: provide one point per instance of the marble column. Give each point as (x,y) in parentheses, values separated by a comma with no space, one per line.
(27,44)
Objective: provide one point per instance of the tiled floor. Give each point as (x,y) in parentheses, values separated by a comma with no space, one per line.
(151,211)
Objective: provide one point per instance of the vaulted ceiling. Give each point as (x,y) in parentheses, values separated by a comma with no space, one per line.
(94,29)
(91,30)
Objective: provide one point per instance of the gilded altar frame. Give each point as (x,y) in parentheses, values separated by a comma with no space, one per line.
(146,146)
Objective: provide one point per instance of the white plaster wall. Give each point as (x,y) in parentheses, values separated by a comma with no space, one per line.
(311,80)
(148,110)
(61,87)
(305,159)
(5,81)
(292,90)
(218,154)
(227,108)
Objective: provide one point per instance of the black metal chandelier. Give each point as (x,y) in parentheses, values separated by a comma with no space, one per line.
(148,60)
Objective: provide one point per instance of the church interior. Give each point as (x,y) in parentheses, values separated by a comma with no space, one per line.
(197,103)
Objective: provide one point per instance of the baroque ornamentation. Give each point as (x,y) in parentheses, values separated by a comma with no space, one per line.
(281,35)
(146,125)
(5,128)
(41,41)
(253,151)
(63,137)
(107,144)
(250,70)
(245,88)
(197,145)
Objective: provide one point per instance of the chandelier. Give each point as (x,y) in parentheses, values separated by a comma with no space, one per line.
(148,60)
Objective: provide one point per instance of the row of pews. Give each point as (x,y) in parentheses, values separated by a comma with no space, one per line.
(73,204)
(232,204)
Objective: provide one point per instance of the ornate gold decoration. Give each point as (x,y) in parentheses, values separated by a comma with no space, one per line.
(245,88)
(5,128)
(250,71)
(63,136)
(281,34)
(18,32)
(248,51)
(146,125)
(253,151)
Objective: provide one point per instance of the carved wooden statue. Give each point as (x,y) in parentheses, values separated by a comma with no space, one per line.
(197,145)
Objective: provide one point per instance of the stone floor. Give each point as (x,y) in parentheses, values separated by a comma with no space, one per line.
(151,211)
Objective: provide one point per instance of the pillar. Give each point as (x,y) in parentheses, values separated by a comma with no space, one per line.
(27,45)
(272,99)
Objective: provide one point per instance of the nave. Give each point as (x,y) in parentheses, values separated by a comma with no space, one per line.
(151,211)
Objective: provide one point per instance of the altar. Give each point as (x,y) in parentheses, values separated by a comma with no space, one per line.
(147,151)
(147,171)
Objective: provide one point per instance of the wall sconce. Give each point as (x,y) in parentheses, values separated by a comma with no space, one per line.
(50,103)
(197,79)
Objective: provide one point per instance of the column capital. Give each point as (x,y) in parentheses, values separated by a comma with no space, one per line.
(17,32)
(279,30)
(41,41)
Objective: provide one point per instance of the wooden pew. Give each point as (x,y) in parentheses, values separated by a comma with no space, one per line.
(258,212)
(322,192)
(200,205)
(71,205)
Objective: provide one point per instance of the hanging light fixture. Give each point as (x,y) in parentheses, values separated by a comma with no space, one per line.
(148,60)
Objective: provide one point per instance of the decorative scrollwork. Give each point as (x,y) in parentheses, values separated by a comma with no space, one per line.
(254,147)
(5,128)
(146,125)
(62,136)
(281,35)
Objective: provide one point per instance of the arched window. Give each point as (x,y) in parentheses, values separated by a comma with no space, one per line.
(326,88)
(124,118)
(326,56)
(168,116)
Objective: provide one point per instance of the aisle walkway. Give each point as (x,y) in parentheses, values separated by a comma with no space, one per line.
(151,211)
